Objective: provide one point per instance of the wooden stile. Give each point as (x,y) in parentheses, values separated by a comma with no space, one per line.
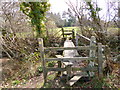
(67,61)
(68,32)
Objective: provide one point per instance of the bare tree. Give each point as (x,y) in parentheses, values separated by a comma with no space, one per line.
(14,29)
(13,18)
(90,21)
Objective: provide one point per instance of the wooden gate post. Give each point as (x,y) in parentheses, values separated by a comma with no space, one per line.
(40,40)
(92,53)
(100,60)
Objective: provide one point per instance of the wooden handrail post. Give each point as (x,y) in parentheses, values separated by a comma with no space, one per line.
(41,47)
(77,39)
(59,66)
(92,53)
(63,32)
(68,69)
(73,34)
(100,60)
(92,45)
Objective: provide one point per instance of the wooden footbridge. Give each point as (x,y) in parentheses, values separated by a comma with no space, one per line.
(71,63)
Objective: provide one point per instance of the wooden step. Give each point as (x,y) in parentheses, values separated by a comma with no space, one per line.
(73,80)
(65,63)
(68,63)
(59,56)
(77,76)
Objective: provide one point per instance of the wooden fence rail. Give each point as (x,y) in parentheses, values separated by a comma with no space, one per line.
(70,48)
(85,38)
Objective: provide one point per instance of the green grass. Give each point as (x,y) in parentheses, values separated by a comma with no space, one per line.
(24,34)
(113,31)
(95,82)
(57,32)
(15,82)
(53,32)
(75,28)
(50,79)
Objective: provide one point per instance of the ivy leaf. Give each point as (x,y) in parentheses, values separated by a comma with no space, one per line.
(36,12)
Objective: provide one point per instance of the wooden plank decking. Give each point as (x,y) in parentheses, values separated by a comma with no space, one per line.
(71,54)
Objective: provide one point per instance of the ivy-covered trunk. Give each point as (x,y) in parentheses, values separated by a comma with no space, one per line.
(36,11)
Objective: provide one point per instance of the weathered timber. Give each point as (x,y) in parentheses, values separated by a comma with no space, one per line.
(68,63)
(65,63)
(70,48)
(100,60)
(68,69)
(73,34)
(56,69)
(77,76)
(68,32)
(73,80)
(92,45)
(92,53)
(77,37)
(84,69)
(62,32)
(84,74)
(59,64)
(65,59)
(41,47)
(69,55)
(59,56)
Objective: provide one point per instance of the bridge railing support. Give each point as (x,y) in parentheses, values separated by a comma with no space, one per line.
(59,66)
(73,34)
(62,32)
(76,40)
